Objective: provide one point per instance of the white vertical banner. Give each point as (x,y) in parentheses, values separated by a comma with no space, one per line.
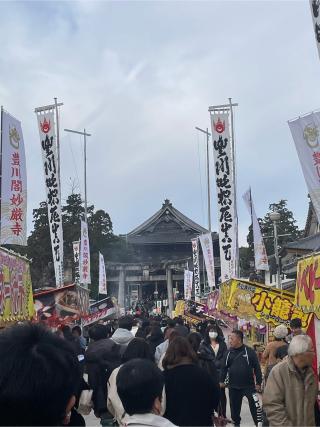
(196,271)
(13,183)
(306,135)
(315,12)
(225,186)
(102,276)
(188,275)
(260,253)
(207,250)
(85,277)
(76,255)
(50,161)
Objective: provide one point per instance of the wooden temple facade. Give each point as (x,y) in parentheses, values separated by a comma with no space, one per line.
(162,250)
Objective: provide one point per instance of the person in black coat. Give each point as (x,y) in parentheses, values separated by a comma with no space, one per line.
(191,393)
(214,345)
(102,356)
(155,338)
(245,377)
(206,358)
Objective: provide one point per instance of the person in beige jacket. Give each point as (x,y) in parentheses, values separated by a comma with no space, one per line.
(290,394)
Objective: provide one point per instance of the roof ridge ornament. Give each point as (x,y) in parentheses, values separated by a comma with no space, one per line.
(167,204)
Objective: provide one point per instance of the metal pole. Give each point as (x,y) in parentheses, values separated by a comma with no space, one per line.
(58,138)
(85,176)
(276,253)
(208,184)
(85,134)
(235,187)
(208,177)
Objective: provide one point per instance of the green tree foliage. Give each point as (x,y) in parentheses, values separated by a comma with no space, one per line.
(39,244)
(288,230)
(39,248)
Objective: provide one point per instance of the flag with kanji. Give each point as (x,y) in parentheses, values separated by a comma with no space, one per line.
(13,183)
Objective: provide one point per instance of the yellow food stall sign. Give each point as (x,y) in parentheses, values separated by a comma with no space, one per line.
(307,296)
(268,304)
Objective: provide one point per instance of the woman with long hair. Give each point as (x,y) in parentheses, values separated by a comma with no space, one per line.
(137,348)
(213,346)
(191,393)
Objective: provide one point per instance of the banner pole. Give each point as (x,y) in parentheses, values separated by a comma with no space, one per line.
(85,176)
(58,138)
(235,186)
(254,258)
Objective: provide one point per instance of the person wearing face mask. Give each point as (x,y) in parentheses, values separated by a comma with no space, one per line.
(214,346)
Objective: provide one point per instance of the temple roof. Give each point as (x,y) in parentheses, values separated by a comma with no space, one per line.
(310,243)
(167,225)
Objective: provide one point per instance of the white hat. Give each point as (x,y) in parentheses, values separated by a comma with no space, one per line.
(281,331)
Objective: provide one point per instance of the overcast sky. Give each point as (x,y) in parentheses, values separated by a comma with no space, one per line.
(140,76)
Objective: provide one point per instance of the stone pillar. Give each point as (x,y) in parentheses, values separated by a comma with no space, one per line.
(170,290)
(122,285)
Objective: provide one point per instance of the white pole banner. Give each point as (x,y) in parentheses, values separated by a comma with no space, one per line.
(13,183)
(188,275)
(315,12)
(102,276)
(76,255)
(50,160)
(207,250)
(260,253)
(196,272)
(225,185)
(306,135)
(85,277)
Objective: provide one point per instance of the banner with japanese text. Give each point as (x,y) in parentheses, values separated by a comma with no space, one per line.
(308,285)
(13,183)
(260,253)
(225,187)
(188,275)
(76,260)
(16,298)
(315,13)
(85,276)
(52,183)
(306,135)
(270,305)
(207,250)
(196,270)
(102,276)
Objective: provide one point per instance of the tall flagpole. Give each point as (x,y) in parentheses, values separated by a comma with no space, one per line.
(84,134)
(235,185)
(250,195)
(206,132)
(58,136)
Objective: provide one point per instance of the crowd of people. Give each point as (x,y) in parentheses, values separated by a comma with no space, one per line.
(154,374)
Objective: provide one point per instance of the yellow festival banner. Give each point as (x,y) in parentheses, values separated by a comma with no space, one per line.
(16,298)
(308,285)
(270,305)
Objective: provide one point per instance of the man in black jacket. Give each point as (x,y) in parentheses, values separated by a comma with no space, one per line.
(245,378)
(101,357)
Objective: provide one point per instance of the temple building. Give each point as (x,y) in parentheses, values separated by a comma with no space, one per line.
(161,248)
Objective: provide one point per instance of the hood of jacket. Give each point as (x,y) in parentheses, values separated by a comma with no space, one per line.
(99,350)
(122,336)
(148,420)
